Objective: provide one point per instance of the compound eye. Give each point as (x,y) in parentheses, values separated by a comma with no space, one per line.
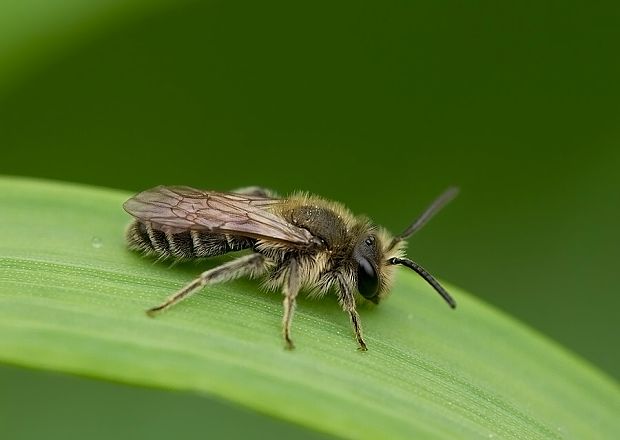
(367,280)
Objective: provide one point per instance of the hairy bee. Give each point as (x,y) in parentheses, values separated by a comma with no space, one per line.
(299,242)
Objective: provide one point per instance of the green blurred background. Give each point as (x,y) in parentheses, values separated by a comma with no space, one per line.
(380,105)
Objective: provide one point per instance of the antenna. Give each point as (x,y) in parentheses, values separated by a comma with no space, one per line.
(427,277)
(433,209)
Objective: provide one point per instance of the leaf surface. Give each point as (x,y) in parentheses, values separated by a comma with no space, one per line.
(72,299)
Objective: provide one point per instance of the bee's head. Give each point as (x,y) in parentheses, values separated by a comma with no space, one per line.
(376,254)
(373,272)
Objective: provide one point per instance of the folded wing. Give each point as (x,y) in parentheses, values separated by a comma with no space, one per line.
(180,208)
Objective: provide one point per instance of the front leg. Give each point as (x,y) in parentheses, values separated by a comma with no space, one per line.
(292,283)
(347,301)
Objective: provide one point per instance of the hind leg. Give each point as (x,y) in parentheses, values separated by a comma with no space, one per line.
(252,265)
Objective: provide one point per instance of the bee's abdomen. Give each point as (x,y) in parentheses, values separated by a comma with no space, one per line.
(185,245)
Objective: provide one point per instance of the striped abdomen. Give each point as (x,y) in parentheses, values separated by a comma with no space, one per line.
(188,244)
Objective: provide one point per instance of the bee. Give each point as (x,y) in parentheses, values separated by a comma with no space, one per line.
(302,242)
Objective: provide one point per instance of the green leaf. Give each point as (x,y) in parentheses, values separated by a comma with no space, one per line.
(72,299)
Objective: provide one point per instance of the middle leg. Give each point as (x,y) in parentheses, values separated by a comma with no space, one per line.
(292,284)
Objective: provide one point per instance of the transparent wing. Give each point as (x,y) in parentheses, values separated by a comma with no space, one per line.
(179,208)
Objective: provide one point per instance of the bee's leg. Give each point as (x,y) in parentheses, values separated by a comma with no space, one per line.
(290,290)
(347,301)
(257,191)
(252,264)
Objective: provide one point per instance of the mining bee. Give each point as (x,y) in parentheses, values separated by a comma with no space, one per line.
(298,242)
